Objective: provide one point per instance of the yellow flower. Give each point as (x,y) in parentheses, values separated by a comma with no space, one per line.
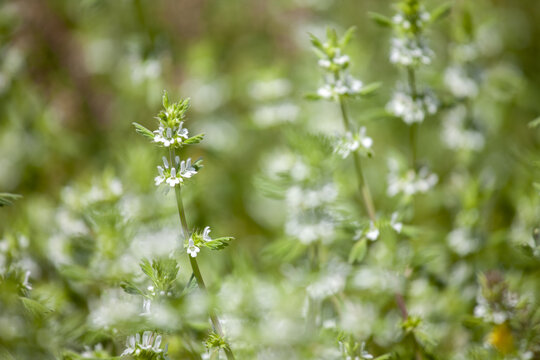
(501,338)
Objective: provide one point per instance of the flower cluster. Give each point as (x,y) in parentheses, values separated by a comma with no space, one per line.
(146,347)
(412,109)
(338,82)
(176,173)
(170,136)
(350,143)
(198,240)
(409,48)
(409,182)
(309,218)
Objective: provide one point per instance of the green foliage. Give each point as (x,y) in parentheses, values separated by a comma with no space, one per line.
(7,199)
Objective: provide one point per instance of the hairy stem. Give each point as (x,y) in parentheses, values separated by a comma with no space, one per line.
(195,268)
(413,129)
(364,188)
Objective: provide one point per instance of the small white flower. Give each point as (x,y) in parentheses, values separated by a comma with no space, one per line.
(373,233)
(172,180)
(186,169)
(397,226)
(205,235)
(146,307)
(192,250)
(26,284)
(326,92)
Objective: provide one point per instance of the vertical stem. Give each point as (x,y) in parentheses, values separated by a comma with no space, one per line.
(195,267)
(364,188)
(411,76)
(413,129)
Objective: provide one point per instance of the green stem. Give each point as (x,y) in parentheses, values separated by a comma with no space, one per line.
(413,129)
(363,186)
(195,267)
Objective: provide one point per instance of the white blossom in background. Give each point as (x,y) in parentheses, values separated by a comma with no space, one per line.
(459,83)
(270,89)
(308,217)
(274,114)
(410,52)
(409,182)
(350,143)
(462,241)
(412,110)
(395,224)
(330,281)
(333,89)
(454,133)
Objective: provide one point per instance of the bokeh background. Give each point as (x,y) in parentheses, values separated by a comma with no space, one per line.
(74,75)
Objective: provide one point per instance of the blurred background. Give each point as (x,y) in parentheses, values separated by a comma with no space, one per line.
(74,75)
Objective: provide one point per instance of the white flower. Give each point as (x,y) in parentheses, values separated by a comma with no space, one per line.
(168,136)
(410,111)
(397,226)
(410,51)
(26,284)
(205,235)
(373,233)
(150,342)
(409,182)
(174,175)
(186,169)
(146,307)
(350,143)
(192,250)
(462,86)
(326,92)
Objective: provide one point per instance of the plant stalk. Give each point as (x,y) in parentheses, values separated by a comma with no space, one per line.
(196,271)
(413,129)
(363,186)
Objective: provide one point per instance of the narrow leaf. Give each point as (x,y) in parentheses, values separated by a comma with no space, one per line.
(7,199)
(381,19)
(441,12)
(358,251)
(194,139)
(143,131)
(370,88)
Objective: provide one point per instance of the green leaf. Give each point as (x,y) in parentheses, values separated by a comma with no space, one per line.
(194,139)
(7,198)
(381,19)
(384,357)
(218,243)
(165,99)
(130,288)
(534,123)
(35,308)
(331,36)
(146,268)
(441,12)
(358,251)
(312,96)
(143,131)
(316,42)
(346,38)
(370,88)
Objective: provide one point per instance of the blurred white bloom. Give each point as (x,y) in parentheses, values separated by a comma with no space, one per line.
(410,52)
(146,307)
(113,307)
(373,233)
(459,83)
(462,241)
(410,182)
(274,114)
(410,111)
(270,89)
(330,282)
(397,226)
(334,89)
(26,284)
(349,143)
(454,133)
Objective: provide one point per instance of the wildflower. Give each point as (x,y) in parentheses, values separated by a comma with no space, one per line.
(168,136)
(192,250)
(205,235)
(462,86)
(373,233)
(410,109)
(174,175)
(409,182)
(397,226)
(350,143)
(410,52)
(149,344)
